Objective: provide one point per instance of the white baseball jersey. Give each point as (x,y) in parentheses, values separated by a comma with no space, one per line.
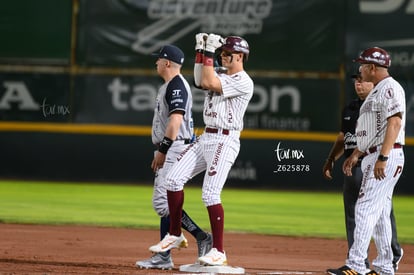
(386,99)
(215,153)
(172,96)
(373,207)
(226,110)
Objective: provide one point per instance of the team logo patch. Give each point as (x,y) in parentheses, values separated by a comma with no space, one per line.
(212,172)
(389,93)
(176,93)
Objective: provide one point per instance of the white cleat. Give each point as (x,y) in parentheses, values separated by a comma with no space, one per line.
(214,258)
(169,242)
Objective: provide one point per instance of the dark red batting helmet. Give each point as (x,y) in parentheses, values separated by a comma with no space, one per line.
(375,56)
(236,44)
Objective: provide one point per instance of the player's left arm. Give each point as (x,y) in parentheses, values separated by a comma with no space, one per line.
(176,97)
(391,134)
(170,135)
(209,78)
(174,123)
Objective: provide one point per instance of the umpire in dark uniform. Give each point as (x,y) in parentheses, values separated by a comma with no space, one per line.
(344,145)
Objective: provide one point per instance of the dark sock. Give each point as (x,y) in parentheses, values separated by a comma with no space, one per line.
(216,214)
(175,205)
(164,227)
(188,224)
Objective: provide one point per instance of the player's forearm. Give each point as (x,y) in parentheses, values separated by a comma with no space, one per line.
(391,134)
(198,68)
(209,79)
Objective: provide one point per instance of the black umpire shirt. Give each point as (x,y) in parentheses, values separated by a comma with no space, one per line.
(350,116)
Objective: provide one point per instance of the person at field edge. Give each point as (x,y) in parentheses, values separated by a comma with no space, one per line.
(172,132)
(344,145)
(215,151)
(380,135)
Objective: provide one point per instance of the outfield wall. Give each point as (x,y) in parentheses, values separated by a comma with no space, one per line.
(275,161)
(78,84)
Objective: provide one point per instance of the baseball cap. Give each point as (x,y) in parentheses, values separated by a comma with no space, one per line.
(171,53)
(374,55)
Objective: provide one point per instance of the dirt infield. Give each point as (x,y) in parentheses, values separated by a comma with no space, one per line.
(38,249)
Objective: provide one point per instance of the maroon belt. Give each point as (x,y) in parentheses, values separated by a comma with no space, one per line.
(215,131)
(374,149)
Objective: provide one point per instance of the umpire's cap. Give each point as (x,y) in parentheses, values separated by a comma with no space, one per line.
(171,53)
(356,75)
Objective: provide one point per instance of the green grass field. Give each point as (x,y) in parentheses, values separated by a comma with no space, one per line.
(266,212)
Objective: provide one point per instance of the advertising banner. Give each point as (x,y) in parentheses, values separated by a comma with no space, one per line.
(283,34)
(282,104)
(35,97)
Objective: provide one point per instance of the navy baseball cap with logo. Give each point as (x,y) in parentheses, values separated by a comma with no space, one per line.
(171,53)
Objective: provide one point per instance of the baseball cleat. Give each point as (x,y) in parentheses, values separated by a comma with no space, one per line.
(372,272)
(344,270)
(157,261)
(169,242)
(214,257)
(204,244)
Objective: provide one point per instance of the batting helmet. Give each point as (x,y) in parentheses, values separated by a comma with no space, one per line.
(236,44)
(375,56)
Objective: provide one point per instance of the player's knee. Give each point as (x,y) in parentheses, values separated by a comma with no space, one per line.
(161,209)
(209,200)
(173,184)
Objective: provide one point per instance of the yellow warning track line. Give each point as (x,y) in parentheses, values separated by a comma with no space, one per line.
(128,130)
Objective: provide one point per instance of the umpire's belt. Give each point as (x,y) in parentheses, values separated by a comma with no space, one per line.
(375,148)
(215,131)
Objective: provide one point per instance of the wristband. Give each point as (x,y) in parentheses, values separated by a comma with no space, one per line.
(165,145)
(208,54)
(208,59)
(382,158)
(199,57)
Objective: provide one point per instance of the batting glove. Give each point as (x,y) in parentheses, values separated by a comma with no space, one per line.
(213,42)
(200,41)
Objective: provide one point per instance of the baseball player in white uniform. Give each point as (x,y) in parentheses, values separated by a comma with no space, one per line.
(215,151)
(172,131)
(380,134)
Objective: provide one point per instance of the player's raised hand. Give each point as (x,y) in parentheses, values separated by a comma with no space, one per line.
(213,42)
(200,41)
